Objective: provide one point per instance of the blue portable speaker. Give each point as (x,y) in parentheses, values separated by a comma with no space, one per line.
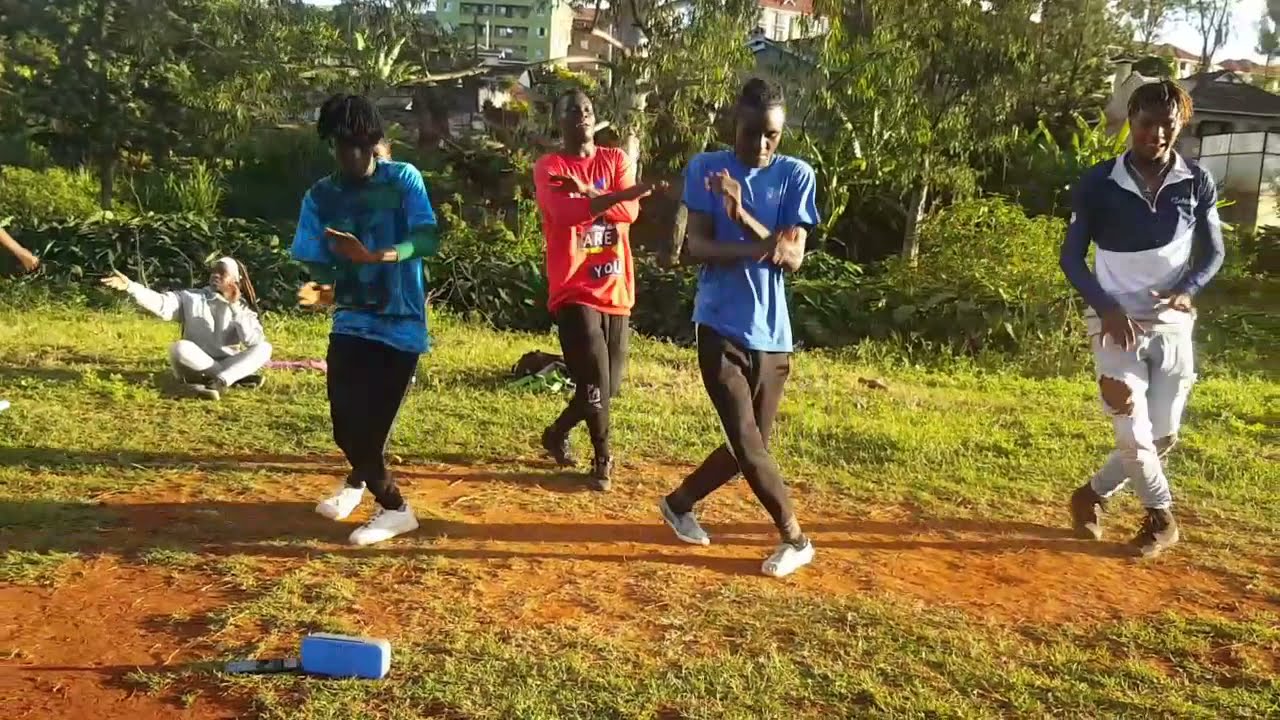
(345,656)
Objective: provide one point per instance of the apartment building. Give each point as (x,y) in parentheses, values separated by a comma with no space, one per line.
(529,30)
(783,20)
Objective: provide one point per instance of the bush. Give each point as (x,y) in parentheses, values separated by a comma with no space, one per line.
(987,280)
(50,193)
(163,251)
(196,187)
(272,170)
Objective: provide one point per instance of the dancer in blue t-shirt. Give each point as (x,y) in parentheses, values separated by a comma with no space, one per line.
(363,232)
(750,212)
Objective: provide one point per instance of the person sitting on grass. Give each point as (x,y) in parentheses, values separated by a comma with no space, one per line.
(222,340)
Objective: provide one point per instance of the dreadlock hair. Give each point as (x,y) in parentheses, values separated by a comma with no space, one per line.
(760,94)
(246,287)
(350,120)
(1165,95)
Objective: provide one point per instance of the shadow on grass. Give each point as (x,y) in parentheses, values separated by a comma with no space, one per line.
(65,375)
(456,468)
(276,529)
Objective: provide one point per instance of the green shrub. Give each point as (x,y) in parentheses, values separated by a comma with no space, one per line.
(196,186)
(271,171)
(987,279)
(50,193)
(163,251)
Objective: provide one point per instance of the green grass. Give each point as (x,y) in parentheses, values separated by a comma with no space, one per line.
(91,421)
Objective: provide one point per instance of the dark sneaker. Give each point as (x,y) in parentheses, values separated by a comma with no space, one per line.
(200,390)
(1158,533)
(601,472)
(251,381)
(557,446)
(1087,507)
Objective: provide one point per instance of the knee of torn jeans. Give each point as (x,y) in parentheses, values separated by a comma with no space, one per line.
(1116,395)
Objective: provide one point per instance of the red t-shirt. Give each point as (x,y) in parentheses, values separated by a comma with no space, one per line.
(588,257)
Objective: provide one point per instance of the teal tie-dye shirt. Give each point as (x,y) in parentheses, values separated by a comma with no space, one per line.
(384,302)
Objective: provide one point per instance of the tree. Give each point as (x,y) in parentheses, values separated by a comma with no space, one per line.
(1071,48)
(906,94)
(1268,44)
(101,78)
(686,57)
(1148,17)
(1212,19)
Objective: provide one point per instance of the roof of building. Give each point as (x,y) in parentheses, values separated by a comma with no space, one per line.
(1174,50)
(1246,65)
(1159,49)
(1226,92)
(804,7)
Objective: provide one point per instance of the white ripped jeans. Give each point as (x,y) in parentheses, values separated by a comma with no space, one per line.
(1144,392)
(190,363)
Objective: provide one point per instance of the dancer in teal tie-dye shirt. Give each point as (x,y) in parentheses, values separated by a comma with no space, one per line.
(363,232)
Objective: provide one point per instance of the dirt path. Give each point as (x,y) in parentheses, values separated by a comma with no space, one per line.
(535,552)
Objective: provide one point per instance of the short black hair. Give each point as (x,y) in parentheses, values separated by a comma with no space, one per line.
(761,94)
(1166,95)
(350,120)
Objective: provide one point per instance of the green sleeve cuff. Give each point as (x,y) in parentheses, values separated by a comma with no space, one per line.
(423,241)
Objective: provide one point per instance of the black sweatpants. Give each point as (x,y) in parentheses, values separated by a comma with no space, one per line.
(745,386)
(367,383)
(594,345)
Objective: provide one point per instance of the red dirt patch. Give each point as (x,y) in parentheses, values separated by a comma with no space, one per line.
(73,644)
(524,549)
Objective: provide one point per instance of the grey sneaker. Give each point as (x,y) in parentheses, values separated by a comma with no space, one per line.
(1158,533)
(685,525)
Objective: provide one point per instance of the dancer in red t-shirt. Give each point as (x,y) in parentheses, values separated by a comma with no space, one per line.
(589,198)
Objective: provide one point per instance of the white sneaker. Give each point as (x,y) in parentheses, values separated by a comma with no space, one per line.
(342,504)
(384,525)
(787,559)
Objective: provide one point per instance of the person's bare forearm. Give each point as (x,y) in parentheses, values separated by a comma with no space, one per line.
(10,244)
(704,249)
(601,202)
(750,225)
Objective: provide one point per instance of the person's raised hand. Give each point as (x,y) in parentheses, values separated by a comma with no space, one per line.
(27,260)
(313,295)
(349,246)
(116,281)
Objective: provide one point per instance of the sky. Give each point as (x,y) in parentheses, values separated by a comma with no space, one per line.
(1239,45)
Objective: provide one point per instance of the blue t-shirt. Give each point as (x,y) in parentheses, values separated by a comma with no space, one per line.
(746,301)
(383,302)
